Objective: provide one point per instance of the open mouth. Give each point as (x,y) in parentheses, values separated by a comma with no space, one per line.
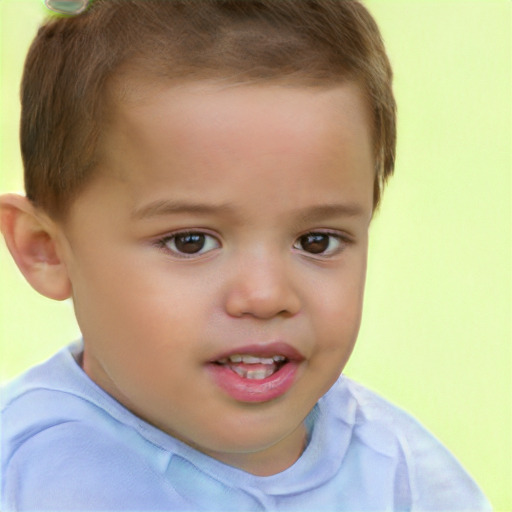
(256,373)
(253,367)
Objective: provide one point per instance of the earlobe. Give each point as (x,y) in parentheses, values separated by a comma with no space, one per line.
(31,239)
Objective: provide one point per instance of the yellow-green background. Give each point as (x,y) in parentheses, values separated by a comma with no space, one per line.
(436,334)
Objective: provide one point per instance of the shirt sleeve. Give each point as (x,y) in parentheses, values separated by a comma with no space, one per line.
(432,479)
(74,467)
(438,481)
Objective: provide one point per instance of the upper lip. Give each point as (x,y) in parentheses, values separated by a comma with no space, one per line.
(263,350)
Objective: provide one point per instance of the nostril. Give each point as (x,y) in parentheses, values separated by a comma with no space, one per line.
(262,303)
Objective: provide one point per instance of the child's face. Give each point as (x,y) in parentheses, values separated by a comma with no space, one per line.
(225,222)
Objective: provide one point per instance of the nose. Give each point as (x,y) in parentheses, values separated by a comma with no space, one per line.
(262,287)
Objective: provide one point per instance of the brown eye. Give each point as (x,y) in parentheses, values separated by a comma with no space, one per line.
(315,243)
(323,244)
(190,244)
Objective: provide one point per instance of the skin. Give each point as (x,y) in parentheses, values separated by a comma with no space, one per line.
(261,163)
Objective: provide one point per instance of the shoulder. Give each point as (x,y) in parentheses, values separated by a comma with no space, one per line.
(77,466)
(41,399)
(61,450)
(436,479)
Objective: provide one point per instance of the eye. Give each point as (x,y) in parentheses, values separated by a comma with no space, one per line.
(189,243)
(322,244)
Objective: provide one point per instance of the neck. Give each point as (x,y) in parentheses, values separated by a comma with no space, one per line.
(271,460)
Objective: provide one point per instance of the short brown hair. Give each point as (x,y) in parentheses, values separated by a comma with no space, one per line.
(73,60)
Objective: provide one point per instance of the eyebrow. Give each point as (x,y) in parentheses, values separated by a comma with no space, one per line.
(164,207)
(331,210)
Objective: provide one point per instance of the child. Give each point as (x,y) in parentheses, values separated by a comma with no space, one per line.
(200,179)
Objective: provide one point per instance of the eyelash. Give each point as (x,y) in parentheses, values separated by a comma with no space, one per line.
(341,240)
(163,243)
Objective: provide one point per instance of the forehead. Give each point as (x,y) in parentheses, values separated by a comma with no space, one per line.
(208,137)
(199,108)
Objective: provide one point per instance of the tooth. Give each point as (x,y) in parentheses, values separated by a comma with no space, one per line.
(251,359)
(257,360)
(258,374)
(239,371)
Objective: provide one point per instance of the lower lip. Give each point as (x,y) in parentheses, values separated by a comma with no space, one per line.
(254,390)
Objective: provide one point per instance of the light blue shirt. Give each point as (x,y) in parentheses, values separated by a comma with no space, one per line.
(68,445)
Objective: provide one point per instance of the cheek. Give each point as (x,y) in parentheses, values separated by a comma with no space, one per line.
(141,321)
(336,328)
(129,291)
(143,332)
(338,312)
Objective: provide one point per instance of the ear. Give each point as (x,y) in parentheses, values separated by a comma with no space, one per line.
(31,238)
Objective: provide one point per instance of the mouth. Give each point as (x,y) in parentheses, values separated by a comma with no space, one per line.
(256,373)
(252,367)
